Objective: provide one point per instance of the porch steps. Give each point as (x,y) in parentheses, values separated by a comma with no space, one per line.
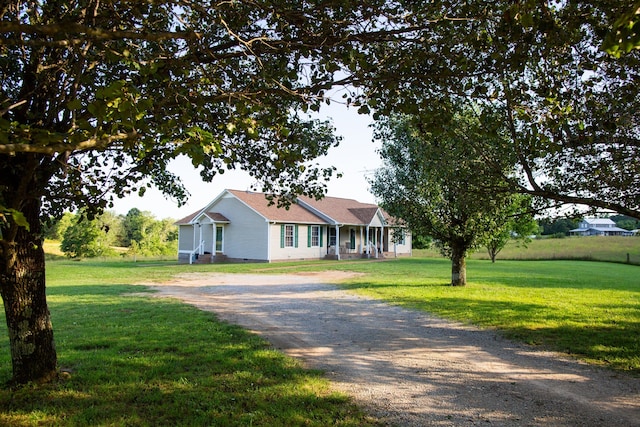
(209,258)
(203,259)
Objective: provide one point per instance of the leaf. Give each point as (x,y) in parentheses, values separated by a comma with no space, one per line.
(17,216)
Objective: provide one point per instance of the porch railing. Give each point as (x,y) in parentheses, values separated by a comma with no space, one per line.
(372,248)
(192,255)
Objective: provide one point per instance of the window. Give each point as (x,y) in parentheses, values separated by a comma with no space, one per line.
(314,236)
(288,236)
(332,237)
(219,234)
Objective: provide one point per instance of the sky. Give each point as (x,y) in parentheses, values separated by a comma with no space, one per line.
(356,158)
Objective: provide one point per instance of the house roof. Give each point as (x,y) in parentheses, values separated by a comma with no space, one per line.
(598,221)
(328,210)
(343,211)
(599,229)
(259,203)
(214,216)
(187,219)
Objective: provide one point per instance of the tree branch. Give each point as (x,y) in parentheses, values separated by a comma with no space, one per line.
(91,143)
(67,28)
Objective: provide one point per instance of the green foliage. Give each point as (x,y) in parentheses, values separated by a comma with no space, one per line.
(145,235)
(7,214)
(518,225)
(420,242)
(82,237)
(55,229)
(626,222)
(87,238)
(552,226)
(571,110)
(434,179)
(625,33)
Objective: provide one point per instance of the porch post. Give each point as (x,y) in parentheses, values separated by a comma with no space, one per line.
(368,247)
(361,245)
(338,241)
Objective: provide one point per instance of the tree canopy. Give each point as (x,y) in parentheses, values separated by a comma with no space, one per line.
(572,110)
(439,184)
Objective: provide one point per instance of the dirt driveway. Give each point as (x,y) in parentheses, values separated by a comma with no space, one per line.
(409,368)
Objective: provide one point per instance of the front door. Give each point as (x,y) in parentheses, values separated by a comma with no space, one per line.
(219,238)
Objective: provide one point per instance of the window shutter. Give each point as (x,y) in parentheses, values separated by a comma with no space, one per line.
(295,236)
(282,236)
(321,230)
(309,236)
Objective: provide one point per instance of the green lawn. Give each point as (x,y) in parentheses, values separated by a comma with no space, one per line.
(141,361)
(136,360)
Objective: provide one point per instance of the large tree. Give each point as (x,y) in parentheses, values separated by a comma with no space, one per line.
(435,180)
(96,97)
(572,109)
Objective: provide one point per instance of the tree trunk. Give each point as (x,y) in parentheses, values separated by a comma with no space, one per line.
(22,285)
(458,266)
(492,253)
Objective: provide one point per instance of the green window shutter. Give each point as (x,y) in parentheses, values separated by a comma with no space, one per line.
(295,236)
(309,236)
(282,236)
(321,230)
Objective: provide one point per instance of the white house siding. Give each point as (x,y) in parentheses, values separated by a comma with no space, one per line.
(245,235)
(185,238)
(401,249)
(303,251)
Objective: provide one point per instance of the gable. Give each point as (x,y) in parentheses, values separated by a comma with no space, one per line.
(342,211)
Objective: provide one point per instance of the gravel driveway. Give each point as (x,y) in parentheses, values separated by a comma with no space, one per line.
(410,368)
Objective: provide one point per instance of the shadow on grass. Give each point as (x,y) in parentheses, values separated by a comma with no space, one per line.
(139,361)
(599,332)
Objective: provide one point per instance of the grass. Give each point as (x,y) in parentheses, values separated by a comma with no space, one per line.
(136,360)
(130,359)
(593,248)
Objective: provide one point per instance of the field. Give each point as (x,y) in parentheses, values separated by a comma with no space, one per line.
(593,248)
(129,359)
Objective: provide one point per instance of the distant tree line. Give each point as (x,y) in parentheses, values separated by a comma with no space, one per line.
(138,233)
(553,227)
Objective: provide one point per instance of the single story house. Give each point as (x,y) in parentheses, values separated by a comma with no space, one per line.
(598,227)
(242,226)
